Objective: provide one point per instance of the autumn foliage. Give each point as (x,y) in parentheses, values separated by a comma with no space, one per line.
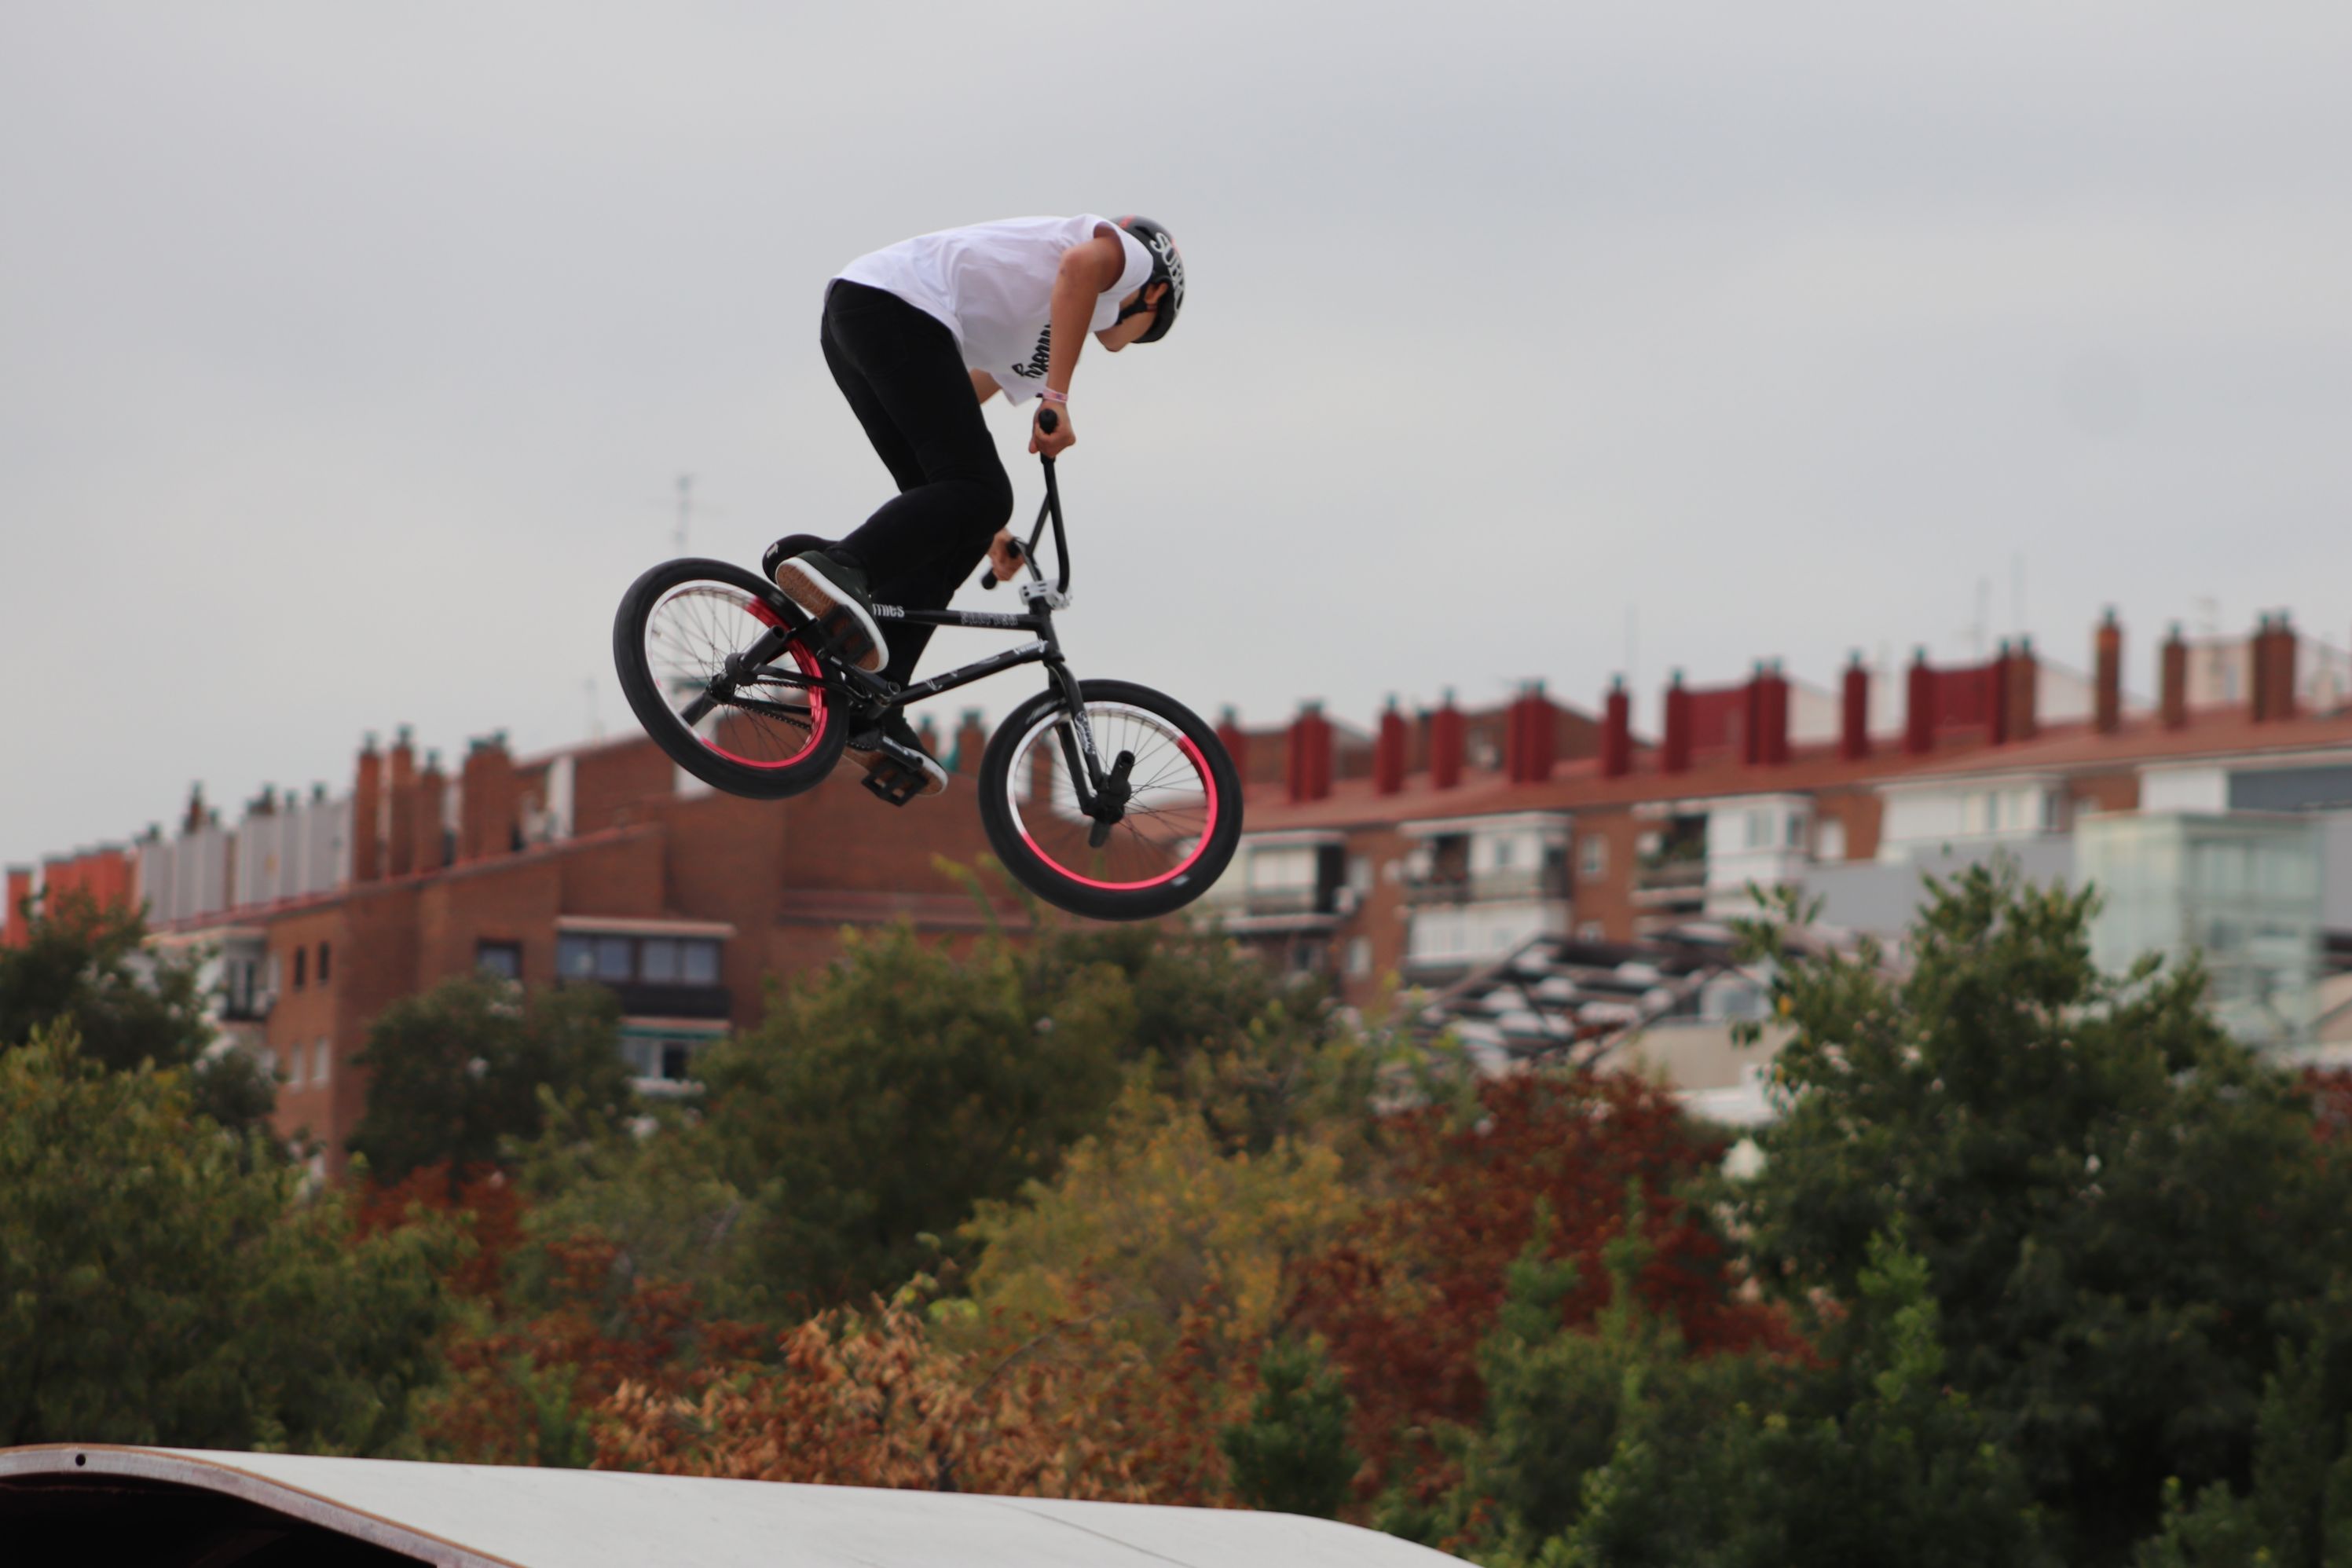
(1408,1294)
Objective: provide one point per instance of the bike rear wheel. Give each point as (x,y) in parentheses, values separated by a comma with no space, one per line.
(709,668)
(1180,824)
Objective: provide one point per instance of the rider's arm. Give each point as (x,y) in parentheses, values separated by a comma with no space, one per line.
(1088,272)
(983,385)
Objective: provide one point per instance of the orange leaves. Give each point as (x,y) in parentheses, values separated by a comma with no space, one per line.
(869,1400)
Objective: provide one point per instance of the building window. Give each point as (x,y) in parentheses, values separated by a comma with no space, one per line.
(1593,858)
(301,958)
(1760,829)
(322,1057)
(502,958)
(1359,955)
(575,957)
(326,961)
(655,960)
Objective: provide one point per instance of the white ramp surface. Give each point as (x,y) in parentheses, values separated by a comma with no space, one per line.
(480,1515)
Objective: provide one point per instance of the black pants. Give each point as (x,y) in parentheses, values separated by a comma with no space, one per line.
(906,382)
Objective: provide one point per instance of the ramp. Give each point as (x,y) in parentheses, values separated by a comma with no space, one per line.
(181,1507)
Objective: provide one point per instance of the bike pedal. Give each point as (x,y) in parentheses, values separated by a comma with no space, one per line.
(895,783)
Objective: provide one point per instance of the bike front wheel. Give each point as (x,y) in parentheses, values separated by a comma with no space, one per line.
(1180,821)
(707,662)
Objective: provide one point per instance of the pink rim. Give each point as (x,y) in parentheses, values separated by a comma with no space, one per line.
(1200,846)
(808,667)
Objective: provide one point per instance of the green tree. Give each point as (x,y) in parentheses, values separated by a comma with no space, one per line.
(88,965)
(1866,1460)
(1292,1454)
(885,1096)
(2113,1202)
(457,1071)
(2297,1511)
(154,1288)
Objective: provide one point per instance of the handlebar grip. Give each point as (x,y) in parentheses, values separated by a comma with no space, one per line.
(1048,421)
(988,572)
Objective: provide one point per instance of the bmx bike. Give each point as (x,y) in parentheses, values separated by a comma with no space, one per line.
(1103,798)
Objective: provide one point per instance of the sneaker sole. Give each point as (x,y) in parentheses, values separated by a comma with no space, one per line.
(823,599)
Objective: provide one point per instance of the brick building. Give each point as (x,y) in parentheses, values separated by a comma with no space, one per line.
(1440,842)
(599,862)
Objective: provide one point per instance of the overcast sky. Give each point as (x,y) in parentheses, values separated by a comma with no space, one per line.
(350,355)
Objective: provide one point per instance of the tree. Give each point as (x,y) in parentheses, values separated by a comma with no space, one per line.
(1292,1454)
(2114,1204)
(156,1287)
(1409,1293)
(1864,1460)
(1154,1229)
(457,1071)
(86,964)
(2296,1511)
(885,1096)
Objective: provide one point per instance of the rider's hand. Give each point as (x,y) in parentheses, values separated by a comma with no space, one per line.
(1002,557)
(1063,439)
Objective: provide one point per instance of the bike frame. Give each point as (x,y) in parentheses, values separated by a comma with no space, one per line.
(1087,773)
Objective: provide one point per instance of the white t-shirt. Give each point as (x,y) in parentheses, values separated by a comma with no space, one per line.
(993,285)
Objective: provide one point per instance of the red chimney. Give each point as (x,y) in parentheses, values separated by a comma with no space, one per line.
(1445,743)
(2023,674)
(401,852)
(1675,755)
(1994,681)
(2107,660)
(1388,752)
(1854,713)
(1919,707)
(367,808)
(1527,737)
(972,743)
(1617,731)
(491,811)
(16,930)
(1231,735)
(1307,775)
(2273,670)
(1751,718)
(2173,698)
(1773,716)
(432,790)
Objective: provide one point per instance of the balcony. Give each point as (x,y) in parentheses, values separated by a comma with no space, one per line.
(1510,883)
(654,999)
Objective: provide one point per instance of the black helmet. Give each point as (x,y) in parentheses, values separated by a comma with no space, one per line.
(1167,266)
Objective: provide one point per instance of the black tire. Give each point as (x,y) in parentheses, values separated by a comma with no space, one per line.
(1181,827)
(671,638)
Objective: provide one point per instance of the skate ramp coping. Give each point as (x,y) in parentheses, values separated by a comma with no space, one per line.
(171,1506)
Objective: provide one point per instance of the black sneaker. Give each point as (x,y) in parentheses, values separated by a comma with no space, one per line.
(834,593)
(892,757)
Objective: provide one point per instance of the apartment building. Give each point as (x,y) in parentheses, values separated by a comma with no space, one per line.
(1416,855)
(593,864)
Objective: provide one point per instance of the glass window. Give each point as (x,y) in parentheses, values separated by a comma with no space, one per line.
(675,1055)
(1760,829)
(503,959)
(616,958)
(1796,831)
(322,1059)
(1596,855)
(575,957)
(658,960)
(326,958)
(699,963)
(301,958)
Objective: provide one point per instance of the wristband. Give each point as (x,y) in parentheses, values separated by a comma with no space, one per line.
(1049,394)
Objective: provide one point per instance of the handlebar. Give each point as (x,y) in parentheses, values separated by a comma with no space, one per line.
(1048,421)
